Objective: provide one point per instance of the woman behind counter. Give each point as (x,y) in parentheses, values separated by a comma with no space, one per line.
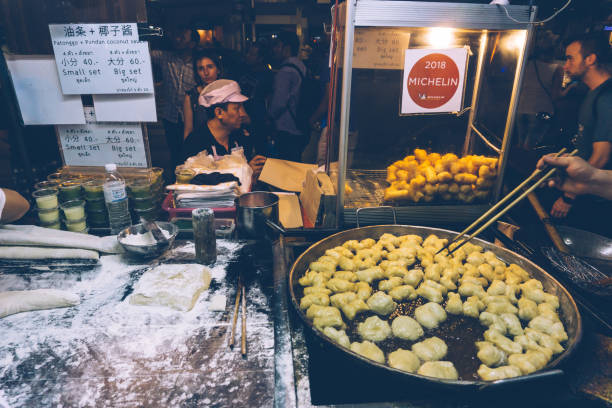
(206,69)
(222,131)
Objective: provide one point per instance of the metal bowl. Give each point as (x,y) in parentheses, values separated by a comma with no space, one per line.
(152,249)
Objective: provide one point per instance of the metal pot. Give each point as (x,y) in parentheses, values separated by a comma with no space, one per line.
(253,210)
(568,309)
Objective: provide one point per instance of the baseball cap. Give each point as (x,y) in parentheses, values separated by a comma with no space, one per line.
(221,91)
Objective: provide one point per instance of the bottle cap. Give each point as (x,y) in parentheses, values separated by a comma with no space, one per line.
(110,167)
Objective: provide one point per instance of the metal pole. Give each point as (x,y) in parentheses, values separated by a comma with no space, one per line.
(476,91)
(514,98)
(345,107)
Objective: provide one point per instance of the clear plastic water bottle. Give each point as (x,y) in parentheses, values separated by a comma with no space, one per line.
(116,200)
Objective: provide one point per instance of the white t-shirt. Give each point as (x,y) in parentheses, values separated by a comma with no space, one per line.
(2,201)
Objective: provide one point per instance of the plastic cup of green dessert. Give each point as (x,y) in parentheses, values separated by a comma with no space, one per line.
(70,190)
(73,210)
(94,189)
(48,216)
(46,198)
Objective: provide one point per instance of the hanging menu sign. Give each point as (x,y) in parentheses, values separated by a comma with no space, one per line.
(433,80)
(96,144)
(101,59)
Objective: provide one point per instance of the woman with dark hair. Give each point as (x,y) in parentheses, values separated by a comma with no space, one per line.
(207,69)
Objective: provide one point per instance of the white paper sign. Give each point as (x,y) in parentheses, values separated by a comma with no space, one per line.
(95,144)
(101,58)
(125,108)
(433,80)
(39,94)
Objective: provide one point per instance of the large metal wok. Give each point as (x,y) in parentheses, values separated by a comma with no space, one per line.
(568,310)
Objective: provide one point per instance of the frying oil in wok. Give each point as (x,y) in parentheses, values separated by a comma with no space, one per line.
(458,332)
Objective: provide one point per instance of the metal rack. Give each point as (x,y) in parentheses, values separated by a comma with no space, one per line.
(481,19)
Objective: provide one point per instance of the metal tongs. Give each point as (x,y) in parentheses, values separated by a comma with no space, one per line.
(533,175)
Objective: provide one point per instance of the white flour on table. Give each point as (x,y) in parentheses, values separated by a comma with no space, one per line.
(108,352)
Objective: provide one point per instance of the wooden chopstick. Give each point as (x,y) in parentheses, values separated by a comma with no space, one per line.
(243,339)
(509,206)
(499,204)
(235,318)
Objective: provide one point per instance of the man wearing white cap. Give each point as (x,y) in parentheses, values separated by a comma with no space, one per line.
(223,102)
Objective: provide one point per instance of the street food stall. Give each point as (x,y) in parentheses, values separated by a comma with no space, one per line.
(232,313)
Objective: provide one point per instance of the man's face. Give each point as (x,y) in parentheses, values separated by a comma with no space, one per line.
(233,117)
(575,64)
(181,39)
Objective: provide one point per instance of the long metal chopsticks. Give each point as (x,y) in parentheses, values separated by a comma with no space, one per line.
(500,203)
(240,292)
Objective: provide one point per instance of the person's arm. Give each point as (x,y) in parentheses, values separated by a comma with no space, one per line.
(15,206)
(257,164)
(188,113)
(582,178)
(601,154)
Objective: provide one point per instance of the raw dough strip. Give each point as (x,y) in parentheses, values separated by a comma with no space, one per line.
(18,301)
(24,252)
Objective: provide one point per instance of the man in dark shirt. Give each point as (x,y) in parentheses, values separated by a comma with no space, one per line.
(588,59)
(222,133)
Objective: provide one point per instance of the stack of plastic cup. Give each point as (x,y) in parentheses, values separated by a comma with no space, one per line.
(143,198)
(47,207)
(97,216)
(74,215)
(70,190)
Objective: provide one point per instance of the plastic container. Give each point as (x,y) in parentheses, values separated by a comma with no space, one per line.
(70,190)
(116,200)
(46,184)
(173,212)
(73,210)
(97,219)
(94,190)
(46,198)
(140,188)
(184,176)
(53,225)
(48,216)
(76,225)
(142,203)
(95,205)
(150,214)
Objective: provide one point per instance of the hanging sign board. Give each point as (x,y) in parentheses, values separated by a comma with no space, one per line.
(433,80)
(377,48)
(101,59)
(96,144)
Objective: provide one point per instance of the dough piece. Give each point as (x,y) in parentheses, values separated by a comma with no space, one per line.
(489,354)
(369,350)
(502,342)
(406,328)
(381,303)
(18,301)
(513,324)
(531,361)
(345,275)
(532,290)
(340,285)
(544,340)
(319,266)
(497,287)
(339,336)
(314,299)
(404,360)
(431,349)
(388,284)
(341,299)
(24,252)
(174,286)
(499,373)
(324,316)
(454,305)
(311,290)
(374,329)
(353,307)
(413,277)
(371,274)
(402,292)
(430,315)
(439,369)
(493,321)
(528,309)
(473,306)
(364,290)
(550,327)
(217,303)
(312,278)
(468,289)
(502,307)
(430,292)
